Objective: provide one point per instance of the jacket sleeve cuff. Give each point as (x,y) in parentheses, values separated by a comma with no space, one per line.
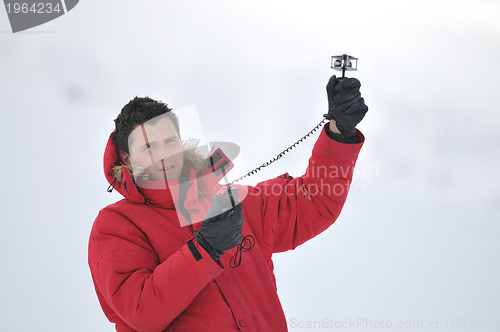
(200,259)
(328,148)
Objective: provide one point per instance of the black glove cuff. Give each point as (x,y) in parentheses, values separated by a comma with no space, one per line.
(341,138)
(213,252)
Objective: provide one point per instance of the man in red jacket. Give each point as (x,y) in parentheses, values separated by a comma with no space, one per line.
(152,274)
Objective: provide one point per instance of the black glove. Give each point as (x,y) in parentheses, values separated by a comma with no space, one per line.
(221,229)
(345,104)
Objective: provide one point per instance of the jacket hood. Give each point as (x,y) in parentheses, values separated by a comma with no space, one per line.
(125,185)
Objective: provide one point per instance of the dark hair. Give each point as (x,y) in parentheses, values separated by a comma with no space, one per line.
(136,112)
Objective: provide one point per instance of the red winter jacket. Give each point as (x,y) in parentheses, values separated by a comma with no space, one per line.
(147,277)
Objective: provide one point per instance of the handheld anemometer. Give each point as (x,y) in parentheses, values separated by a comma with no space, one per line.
(344,63)
(220,164)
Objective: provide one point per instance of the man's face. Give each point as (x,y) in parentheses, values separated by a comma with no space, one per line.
(157,148)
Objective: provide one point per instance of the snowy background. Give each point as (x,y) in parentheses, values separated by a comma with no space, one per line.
(418,239)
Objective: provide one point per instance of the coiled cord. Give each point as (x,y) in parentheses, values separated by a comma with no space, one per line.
(282,153)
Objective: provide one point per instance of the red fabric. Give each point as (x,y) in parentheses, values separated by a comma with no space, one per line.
(147,279)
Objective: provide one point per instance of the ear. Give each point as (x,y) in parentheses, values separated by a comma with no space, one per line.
(125,158)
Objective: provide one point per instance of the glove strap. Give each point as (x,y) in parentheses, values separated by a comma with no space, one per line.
(192,247)
(247,243)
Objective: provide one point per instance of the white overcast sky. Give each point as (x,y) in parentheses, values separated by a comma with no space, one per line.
(418,237)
